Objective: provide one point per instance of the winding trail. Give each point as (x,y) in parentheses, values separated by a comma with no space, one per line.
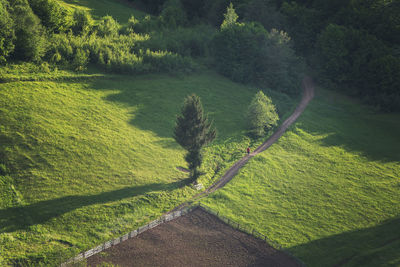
(308,94)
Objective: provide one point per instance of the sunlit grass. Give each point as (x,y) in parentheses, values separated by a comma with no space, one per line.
(329,190)
(121,10)
(91,159)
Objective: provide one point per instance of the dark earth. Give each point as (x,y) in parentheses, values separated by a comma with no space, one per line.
(195,239)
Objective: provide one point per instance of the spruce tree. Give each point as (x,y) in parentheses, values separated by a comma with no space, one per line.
(193,131)
(230,17)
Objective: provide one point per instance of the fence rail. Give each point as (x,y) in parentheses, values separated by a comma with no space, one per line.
(165,218)
(170,216)
(251,231)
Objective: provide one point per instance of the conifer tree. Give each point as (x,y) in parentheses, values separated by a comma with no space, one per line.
(193,131)
(230,17)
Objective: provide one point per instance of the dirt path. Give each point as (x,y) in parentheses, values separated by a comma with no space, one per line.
(200,238)
(308,94)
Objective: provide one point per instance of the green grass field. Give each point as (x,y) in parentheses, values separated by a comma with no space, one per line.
(121,10)
(93,158)
(328,190)
(88,157)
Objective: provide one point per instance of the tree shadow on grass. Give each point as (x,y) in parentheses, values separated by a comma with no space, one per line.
(374,136)
(374,246)
(157,100)
(18,218)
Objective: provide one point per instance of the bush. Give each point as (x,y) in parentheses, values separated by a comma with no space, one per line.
(83,22)
(261,115)
(173,14)
(363,65)
(30,44)
(52,15)
(147,25)
(108,27)
(193,42)
(247,53)
(7,33)
(80,60)
(115,54)
(265,12)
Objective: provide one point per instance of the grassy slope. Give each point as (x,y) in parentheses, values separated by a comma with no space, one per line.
(329,190)
(121,10)
(89,160)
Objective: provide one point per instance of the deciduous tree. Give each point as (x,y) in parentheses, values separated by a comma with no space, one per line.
(261,115)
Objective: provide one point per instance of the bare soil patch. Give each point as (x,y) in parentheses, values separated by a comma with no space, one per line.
(195,239)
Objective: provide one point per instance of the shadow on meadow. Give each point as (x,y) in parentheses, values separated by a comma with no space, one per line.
(374,246)
(157,100)
(18,218)
(352,127)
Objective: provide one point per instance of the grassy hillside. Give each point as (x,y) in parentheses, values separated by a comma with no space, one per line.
(329,190)
(120,10)
(92,158)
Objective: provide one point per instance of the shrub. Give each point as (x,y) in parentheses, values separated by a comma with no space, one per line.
(108,27)
(247,53)
(52,15)
(147,25)
(83,22)
(173,14)
(30,44)
(7,33)
(60,49)
(261,115)
(115,54)
(80,60)
(193,42)
(131,25)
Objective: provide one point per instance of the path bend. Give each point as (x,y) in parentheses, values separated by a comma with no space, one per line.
(308,94)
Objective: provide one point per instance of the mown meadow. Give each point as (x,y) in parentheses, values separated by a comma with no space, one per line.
(91,156)
(89,92)
(328,191)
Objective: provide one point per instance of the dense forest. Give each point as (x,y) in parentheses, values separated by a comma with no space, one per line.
(352,46)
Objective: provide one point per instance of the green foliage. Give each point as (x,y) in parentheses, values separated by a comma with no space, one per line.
(193,131)
(328,190)
(7,32)
(147,25)
(266,12)
(52,15)
(261,115)
(359,61)
(80,60)
(191,42)
(114,54)
(96,159)
(350,37)
(230,17)
(334,53)
(30,43)
(173,14)
(153,6)
(303,24)
(108,27)
(83,22)
(248,53)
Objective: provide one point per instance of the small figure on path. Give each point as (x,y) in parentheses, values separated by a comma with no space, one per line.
(248,150)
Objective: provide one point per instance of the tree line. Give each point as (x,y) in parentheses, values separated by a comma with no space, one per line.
(352,45)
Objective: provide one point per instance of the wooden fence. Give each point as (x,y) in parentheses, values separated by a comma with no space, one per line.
(165,218)
(250,231)
(170,216)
